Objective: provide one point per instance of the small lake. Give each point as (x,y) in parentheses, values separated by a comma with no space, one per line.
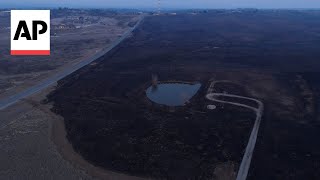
(176,94)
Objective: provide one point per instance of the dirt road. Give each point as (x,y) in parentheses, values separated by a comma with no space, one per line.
(246,160)
(6,102)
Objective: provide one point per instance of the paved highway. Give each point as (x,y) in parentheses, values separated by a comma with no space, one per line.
(6,102)
(246,160)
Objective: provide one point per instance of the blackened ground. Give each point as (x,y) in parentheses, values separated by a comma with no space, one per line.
(112,124)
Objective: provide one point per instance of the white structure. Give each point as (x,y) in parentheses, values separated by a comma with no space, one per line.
(211,107)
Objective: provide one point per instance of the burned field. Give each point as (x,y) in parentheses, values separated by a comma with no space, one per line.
(111,123)
(76,35)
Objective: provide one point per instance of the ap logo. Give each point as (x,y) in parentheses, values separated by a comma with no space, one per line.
(30,32)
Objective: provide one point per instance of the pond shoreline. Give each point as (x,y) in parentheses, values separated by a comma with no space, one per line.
(172,93)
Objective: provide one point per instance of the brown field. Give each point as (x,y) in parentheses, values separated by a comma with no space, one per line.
(113,127)
(75,36)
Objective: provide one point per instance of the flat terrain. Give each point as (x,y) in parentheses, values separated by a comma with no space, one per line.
(27,151)
(34,145)
(269,55)
(116,132)
(76,35)
(29,131)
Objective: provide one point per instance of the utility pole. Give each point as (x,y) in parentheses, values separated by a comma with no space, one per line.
(159,6)
(154,80)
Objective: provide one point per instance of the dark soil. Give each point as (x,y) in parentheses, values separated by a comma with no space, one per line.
(111,123)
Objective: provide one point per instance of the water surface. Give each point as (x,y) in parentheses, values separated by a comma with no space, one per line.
(176,94)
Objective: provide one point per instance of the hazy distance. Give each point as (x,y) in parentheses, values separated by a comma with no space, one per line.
(178,4)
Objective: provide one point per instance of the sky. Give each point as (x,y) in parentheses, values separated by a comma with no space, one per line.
(184,4)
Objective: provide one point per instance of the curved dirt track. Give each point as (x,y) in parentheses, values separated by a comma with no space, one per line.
(246,160)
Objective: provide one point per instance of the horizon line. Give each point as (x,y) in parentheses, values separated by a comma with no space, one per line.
(167,8)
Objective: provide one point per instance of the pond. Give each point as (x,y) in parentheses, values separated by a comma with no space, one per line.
(175,94)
